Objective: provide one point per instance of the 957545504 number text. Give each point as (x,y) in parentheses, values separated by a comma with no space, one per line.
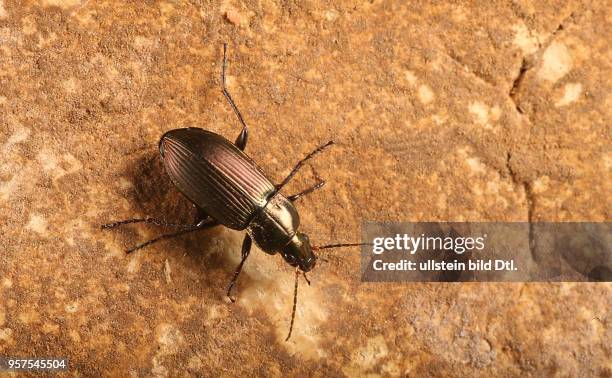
(32,363)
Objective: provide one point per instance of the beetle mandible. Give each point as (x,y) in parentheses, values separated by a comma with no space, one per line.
(228,188)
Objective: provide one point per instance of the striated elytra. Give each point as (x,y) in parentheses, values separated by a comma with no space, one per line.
(229,187)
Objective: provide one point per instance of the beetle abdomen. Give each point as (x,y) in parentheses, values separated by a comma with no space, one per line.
(215,175)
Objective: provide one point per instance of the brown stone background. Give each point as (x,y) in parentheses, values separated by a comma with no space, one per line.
(484,110)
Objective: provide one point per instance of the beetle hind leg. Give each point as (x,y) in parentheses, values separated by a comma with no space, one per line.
(203,224)
(156,222)
(162,237)
(241,141)
(200,219)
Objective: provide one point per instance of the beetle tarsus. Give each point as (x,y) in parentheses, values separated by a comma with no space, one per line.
(246,249)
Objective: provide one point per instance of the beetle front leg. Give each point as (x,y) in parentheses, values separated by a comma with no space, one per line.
(246,249)
(301,163)
(320,183)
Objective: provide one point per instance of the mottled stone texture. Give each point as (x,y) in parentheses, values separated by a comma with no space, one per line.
(484,110)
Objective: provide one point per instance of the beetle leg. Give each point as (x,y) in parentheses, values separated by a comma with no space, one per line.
(294,197)
(320,183)
(161,237)
(201,225)
(301,163)
(201,215)
(246,249)
(241,141)
(154,221)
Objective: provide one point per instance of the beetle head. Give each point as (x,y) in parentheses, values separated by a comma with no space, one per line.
(298,253)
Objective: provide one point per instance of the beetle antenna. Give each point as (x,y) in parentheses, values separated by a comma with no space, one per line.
(338,245)
(297,274)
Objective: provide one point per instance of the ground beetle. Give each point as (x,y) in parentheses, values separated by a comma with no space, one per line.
(229,189)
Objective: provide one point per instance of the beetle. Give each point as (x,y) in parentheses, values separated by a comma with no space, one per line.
(228,188)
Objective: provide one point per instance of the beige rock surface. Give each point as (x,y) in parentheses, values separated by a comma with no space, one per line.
(447,111)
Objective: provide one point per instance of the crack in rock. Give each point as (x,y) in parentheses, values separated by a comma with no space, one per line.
(526,63)
(516,84)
